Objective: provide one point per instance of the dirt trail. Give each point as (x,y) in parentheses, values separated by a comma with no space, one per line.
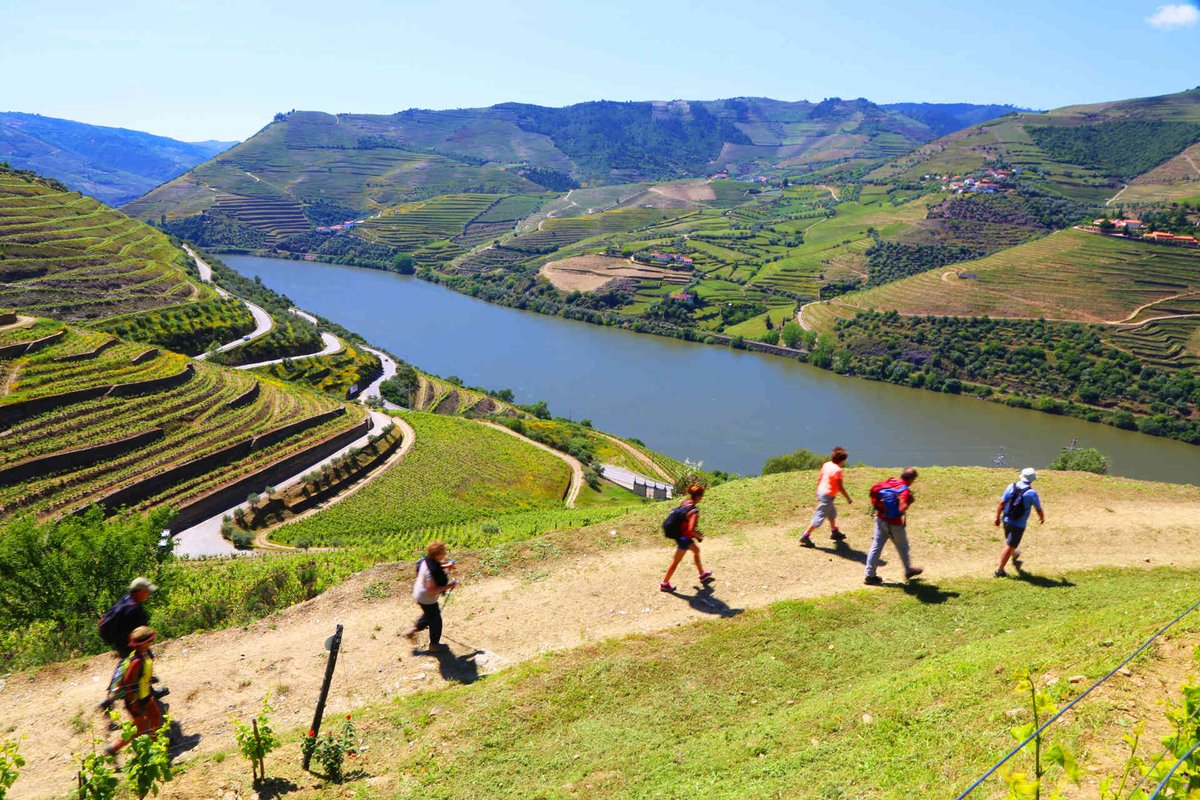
(550,605)
(571,461)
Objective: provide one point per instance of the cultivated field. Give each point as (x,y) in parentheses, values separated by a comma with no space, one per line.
(588,273)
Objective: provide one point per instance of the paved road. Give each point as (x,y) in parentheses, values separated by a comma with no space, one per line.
(204,538)
(624,478)
(389,371)
(263,322)
(332,345)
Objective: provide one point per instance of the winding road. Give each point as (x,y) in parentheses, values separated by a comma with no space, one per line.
(389,371)
(263,322)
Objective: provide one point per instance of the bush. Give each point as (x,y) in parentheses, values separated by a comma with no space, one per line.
(243,540)
(792,462)
(1087,459)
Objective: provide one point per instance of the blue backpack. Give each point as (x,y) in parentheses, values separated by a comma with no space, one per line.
(1016,502)
(886,497)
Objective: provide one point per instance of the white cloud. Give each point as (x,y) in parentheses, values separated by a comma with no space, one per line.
(1178,15)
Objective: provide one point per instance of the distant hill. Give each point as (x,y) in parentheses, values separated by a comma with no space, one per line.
(114,165)
(367,162)
(1083,152)
(944,118)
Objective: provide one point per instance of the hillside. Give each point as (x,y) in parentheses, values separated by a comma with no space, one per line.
(114,165)
(94,406)
(1080,152)
(361,163)
(755,669)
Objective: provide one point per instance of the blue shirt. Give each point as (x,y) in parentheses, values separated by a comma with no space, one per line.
(1029,501)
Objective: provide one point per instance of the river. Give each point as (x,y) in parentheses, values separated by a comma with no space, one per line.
(730,409)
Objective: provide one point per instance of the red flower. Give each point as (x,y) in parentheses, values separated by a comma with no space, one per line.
(312,733)
(347,716)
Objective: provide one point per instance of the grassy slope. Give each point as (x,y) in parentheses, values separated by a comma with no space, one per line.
(874,693)
(1068,275)
(457,471)
(871,694)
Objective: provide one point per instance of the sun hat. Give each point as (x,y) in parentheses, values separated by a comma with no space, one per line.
(141,635)
(1029,474)
(139,583)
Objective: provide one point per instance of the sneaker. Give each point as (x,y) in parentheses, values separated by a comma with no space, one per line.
(105,705)
(999,574)
(909,574)
(706,577)
(436,648)
(806,542)
(872,580)
(837,536)
(665,587)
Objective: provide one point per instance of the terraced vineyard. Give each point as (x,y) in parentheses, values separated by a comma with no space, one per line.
(93,419)
(279,218)
(1069,275)
(337,374)
(559,232)
(411,225)
(1169,343)
(458,472)
(67,256)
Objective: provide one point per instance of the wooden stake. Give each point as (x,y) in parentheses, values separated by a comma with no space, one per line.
(335,644)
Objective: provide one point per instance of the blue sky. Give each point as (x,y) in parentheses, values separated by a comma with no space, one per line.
(220,69)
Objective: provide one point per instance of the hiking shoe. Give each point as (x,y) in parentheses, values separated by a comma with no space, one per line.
(872,580)
(105,705)
(909,574)
(706,577)
(805,541)
(436,648)
(999,574)
(837,536)
(665,587)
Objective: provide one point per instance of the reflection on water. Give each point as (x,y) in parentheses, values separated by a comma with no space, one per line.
(729,408)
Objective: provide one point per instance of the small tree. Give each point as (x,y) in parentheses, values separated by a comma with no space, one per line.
(149,762)
(1087,459)
(257,739)
(792,462)
(10,766)
(97,780)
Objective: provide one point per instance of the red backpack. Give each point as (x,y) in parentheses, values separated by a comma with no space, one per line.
(885,496)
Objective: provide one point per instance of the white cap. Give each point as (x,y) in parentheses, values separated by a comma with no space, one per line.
(1029,474)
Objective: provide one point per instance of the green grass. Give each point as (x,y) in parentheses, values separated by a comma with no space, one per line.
(1067,275)
(457,472)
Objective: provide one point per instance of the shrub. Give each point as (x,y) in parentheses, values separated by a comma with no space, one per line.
(1087,459)
(10,766)
(243,540)
(256,740)
(792,462)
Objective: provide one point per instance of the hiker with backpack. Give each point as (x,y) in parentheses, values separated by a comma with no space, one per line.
(131,683)
(126,615)
(432,582)
(1013,510)
(681,527)
(829,485)
(891,499)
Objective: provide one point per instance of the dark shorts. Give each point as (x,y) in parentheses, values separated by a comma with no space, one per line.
(1012,535)
(684,543)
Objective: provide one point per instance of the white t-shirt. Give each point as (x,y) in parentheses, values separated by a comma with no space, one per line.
(420,593)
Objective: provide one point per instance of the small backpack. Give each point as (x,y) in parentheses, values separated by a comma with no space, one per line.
(110,631)
(1016,500)
(885,496)
(673,525)
(115,688)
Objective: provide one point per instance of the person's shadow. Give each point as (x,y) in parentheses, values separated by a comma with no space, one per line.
(178,743)
(843,550)
(458,668)
(1042,581)
(928,593)
(705,601)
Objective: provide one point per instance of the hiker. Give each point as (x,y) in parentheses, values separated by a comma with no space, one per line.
(680,526)
(137,672)
(891,499)
(122,619)
(1013,509)
(432,581)
(829,486)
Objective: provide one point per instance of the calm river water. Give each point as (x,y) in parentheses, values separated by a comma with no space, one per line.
(730,409)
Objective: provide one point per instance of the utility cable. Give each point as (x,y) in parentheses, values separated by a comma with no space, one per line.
(1072,704)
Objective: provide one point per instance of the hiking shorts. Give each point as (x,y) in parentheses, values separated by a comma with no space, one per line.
(684,543)
(826,510)
(1013,534)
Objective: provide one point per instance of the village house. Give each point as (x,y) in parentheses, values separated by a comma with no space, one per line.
(1171,238)
(684,297)
(1122,225)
